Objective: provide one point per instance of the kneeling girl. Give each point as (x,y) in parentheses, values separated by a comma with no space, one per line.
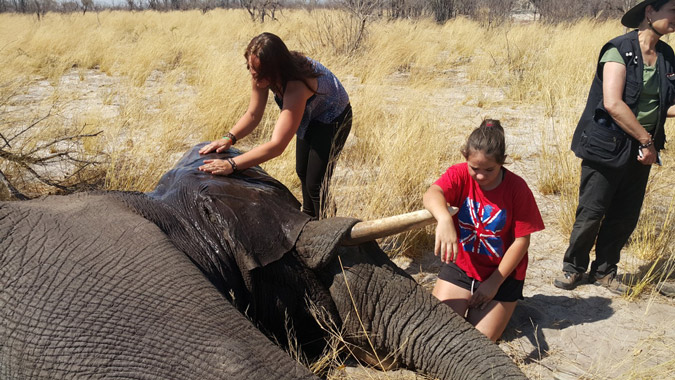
(484,246)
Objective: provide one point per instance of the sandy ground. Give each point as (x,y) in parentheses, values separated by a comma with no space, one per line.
(587,333)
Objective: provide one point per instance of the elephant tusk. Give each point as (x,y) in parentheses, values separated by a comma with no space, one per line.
(375,229)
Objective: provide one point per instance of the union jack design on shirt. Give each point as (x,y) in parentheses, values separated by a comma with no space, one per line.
(479,228)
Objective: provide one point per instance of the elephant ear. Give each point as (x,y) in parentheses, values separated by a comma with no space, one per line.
(319,240)
(247,216)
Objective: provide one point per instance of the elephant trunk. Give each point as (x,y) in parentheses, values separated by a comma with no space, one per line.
(375,297)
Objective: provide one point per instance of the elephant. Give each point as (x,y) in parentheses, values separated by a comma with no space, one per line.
(203,278)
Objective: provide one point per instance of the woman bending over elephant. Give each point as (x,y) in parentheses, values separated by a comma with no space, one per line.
(484,246)
(314,106)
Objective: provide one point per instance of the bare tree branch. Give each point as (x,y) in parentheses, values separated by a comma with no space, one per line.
(58,162)
(12,190)
(43,179)
(29,127)
(5,140)
(67,138)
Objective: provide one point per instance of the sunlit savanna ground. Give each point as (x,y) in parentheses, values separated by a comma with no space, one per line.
(154,84)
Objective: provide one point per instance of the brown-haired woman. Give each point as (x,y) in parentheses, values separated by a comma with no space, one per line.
(314,106)
(484,246)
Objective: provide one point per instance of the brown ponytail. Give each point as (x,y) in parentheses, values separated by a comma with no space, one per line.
(488,138)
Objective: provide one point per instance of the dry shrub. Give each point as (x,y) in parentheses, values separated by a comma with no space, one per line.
(39,152)
(334,31)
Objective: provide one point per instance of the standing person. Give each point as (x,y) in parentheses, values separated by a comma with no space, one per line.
(314,106)
(484,264)
(618,138)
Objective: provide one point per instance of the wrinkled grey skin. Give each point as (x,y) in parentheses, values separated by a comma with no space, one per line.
(155,286)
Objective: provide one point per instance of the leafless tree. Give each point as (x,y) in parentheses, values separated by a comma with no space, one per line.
(465,7)
(620,6)
(362,7)
(39,9)
(396,8)
(70,6)
(556,11)
(404,8)
(21,6)
(259,10)
(363,11)
(87,5)
(272,7)
(627,4)
(442,10)
(494,12)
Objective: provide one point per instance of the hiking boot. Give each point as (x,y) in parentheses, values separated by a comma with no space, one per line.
(568,280)
(610,282)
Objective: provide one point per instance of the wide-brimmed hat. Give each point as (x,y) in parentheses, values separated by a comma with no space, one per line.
(635,15)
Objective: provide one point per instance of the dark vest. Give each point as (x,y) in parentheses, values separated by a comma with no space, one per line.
(629,48)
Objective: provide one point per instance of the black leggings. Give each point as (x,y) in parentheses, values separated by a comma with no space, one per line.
(315,158)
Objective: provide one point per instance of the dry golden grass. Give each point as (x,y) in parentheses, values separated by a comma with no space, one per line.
(180,79)
(169,80)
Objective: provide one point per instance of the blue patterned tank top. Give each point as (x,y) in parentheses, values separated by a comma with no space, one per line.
(324,106)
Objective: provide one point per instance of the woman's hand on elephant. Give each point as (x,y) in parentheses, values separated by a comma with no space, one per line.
(217,146)
(218,167)
(647,155)
(484,294)
(446,242)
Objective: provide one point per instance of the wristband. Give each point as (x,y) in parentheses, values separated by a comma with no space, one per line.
(233,164)
(647,145)
(230,136)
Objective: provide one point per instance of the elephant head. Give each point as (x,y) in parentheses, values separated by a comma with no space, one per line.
(193,279)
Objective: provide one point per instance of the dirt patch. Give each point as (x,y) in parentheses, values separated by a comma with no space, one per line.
(587,333)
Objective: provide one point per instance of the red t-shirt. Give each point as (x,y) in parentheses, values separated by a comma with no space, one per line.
(489,221)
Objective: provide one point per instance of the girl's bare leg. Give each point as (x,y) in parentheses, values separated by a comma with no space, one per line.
(492,320)
(452,295)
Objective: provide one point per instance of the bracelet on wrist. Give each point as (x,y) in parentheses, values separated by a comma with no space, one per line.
(230,136)
(233,164)
(647,144)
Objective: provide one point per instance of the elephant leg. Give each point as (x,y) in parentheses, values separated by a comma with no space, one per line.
(375,297)
(89,289)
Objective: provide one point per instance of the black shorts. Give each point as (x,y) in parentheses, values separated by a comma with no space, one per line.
(510,291)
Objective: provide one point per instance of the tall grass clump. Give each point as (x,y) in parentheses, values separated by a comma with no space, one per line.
(555,65)
(392,156)
(653,239)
